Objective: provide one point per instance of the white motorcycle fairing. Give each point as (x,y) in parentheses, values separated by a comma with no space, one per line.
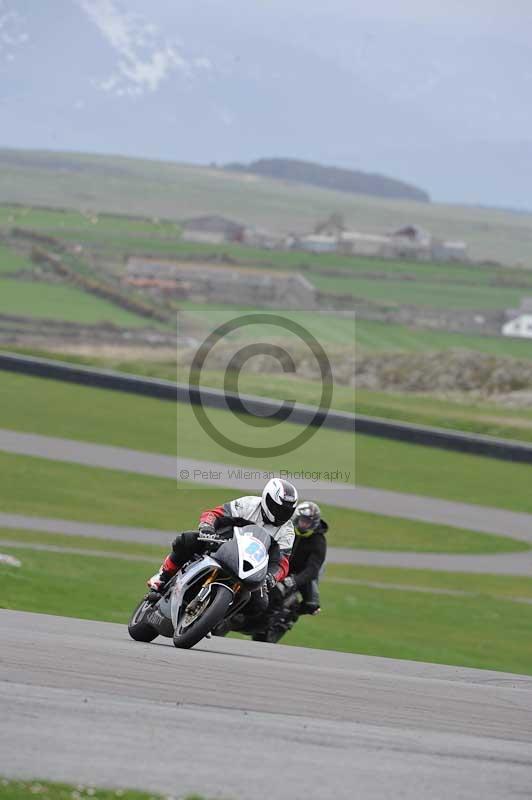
(245,555)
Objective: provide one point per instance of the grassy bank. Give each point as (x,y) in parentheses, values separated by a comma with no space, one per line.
(26,790)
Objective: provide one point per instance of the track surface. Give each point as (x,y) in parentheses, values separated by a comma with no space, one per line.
(81,702)
(496,564)
(409,506)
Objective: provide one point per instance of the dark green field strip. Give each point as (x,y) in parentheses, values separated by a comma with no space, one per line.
(475,416)
(445,294)
(60,302)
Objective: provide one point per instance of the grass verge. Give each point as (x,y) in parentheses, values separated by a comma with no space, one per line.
(39,487)
(149,551)
(28,789)
(483,631)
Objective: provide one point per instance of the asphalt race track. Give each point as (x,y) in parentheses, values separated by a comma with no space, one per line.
(81,702)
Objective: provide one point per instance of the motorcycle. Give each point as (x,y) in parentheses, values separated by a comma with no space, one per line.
(208,590)
(281,618)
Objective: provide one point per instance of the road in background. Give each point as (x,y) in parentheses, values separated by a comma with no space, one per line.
(497,563)
(379,501)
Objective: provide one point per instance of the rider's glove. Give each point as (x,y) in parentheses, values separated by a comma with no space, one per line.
(270,581)
(206,530)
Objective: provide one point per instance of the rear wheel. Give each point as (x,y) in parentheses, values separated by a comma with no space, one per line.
(138,629)
(189,633)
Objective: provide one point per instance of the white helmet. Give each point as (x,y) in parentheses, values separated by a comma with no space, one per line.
(279,500)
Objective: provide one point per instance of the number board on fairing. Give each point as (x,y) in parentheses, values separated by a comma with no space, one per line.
(255,552)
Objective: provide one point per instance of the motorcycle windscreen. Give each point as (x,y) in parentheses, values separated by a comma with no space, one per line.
(246,554)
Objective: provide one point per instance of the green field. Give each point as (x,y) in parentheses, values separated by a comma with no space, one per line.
(90,222)
(388,337)
(369,336)
(481,629)
(61,302)
(11,262)
(329,329)
(423,409)
(422,293)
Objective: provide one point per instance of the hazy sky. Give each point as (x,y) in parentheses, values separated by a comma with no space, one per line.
(434,93)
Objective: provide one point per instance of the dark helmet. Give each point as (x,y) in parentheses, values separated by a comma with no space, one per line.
(307,518)
(279,499)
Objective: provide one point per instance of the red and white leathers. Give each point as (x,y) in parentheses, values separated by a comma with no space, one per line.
(243,510)
(248,509)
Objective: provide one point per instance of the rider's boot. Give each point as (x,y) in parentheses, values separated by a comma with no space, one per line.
(166,571)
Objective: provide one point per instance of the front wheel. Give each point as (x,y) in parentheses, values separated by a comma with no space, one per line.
(219,600)
(138,629)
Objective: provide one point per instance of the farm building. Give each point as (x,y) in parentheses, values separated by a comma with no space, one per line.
(213,230)
(410,241)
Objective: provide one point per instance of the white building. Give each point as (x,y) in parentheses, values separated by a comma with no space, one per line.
(519,326)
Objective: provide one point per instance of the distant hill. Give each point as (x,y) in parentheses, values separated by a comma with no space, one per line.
(138,187)
(335,178)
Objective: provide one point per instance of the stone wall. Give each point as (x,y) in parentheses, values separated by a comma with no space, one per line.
(229,284)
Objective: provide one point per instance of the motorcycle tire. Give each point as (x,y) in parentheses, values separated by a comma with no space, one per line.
(138,629)
(213,614)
